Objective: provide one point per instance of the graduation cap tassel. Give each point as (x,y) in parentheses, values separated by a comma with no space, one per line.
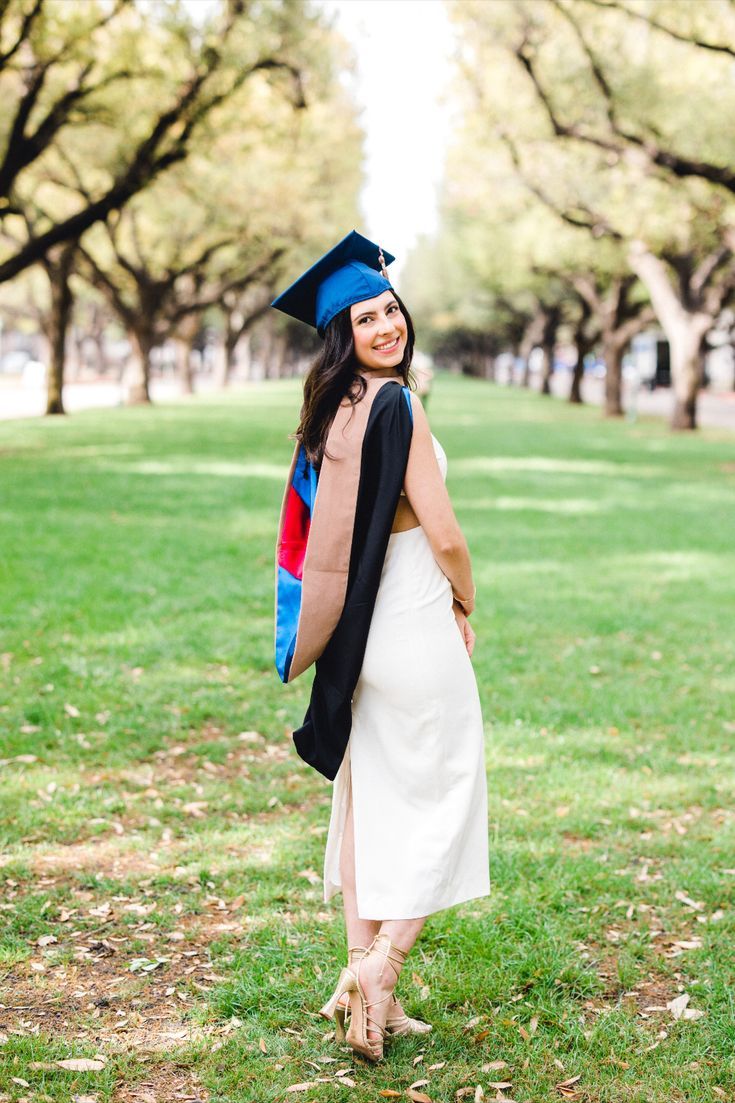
(381,262)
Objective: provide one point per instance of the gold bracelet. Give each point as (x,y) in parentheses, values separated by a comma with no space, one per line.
(464,600)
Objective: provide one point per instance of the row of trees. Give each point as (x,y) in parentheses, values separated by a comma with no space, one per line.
(161,161)
(590,188)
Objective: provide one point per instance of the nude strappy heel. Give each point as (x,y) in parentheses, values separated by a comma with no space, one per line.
(396,1025)
(338,1003)
(361,1021)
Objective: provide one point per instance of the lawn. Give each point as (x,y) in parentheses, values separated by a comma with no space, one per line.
(162,925)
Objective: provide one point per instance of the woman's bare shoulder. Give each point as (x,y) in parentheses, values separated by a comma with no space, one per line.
(420,421)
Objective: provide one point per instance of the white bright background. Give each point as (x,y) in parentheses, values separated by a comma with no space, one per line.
(403,52)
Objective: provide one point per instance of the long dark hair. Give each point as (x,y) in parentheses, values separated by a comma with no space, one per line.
(335,375)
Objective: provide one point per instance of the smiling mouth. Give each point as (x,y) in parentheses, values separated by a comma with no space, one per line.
(388,347)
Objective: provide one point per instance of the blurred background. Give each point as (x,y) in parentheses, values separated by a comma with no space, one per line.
(554,176)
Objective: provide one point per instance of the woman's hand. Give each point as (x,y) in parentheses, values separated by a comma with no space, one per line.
(464,626)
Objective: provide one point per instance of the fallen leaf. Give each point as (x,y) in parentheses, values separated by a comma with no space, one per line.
(479,1094)
(81,1064)
(303,1087)
(418,1084)
(437,1066)
(494,1066)
(311,876)
(682,897)
(346,1080)
(197,809)
(263,1046)
(500,1085)
(533,1025)
(571,1080)
(84,1098)
(417,1097)
(71,710)
(46,940)
(388,1093)
(677,1006)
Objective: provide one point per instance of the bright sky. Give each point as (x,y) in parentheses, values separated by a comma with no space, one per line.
(403,50)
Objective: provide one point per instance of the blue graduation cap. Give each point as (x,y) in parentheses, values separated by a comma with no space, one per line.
(347,274)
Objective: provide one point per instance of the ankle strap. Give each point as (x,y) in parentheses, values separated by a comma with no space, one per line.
(391,953)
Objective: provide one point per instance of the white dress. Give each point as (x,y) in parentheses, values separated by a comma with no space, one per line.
(415,762)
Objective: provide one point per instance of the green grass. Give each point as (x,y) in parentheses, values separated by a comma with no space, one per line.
(167,836)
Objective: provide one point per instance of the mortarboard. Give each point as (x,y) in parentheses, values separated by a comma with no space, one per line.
(347,274)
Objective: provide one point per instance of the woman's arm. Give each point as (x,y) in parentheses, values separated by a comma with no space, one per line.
(429,500)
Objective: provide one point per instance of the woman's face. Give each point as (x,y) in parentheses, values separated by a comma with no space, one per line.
(380,333)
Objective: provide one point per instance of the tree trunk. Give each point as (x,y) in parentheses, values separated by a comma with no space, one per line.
(184,364)
(612,354)
(244,355)
(686,373)
(548,344)
(582,346)
(532,336)
(684,328)
(186,334)
(223,360)
(613,357)
(138,371)
(280,353)
(547,368)
(99,324)
(59,269)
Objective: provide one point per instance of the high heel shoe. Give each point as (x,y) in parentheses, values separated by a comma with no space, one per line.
(338,1004)
(396,1025)
(361,1021)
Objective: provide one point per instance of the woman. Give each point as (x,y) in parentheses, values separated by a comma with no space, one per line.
(394,716)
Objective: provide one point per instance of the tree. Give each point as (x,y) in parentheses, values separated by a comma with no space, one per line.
(60,67)
(592,139)
(257,181)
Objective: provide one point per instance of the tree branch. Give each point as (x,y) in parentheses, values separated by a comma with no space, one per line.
(693,40)
(707,267)
(585,220)
(28,20)
(621,139)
